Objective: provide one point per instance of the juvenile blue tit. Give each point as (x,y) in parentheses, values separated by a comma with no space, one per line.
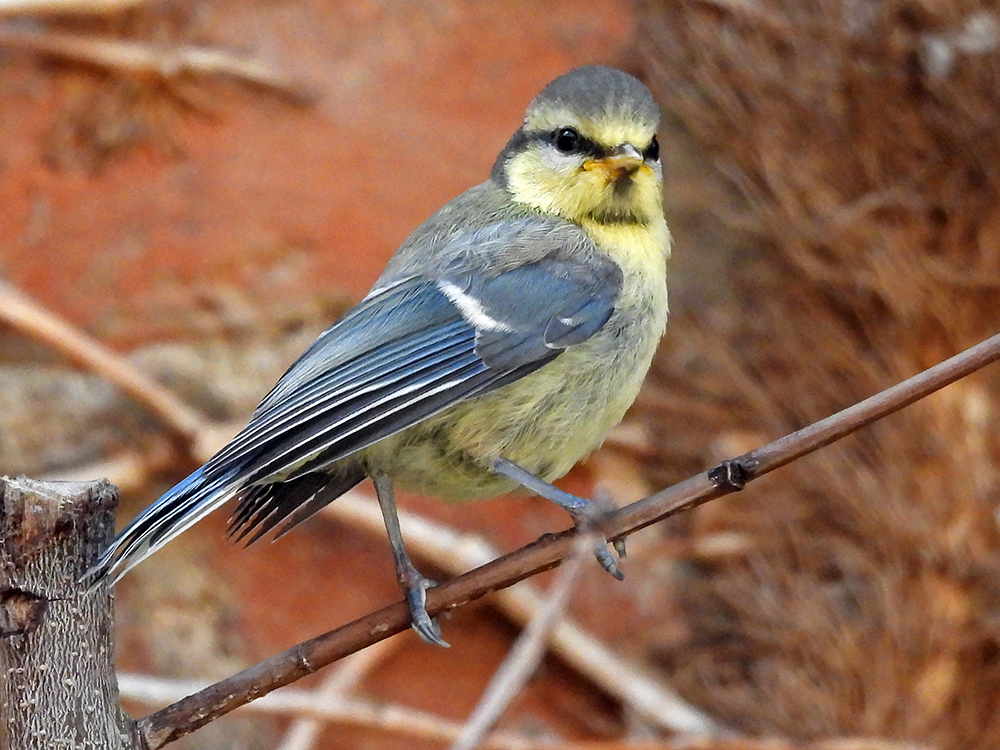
(504,339)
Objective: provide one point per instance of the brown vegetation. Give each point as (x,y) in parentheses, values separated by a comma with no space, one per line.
(856,592)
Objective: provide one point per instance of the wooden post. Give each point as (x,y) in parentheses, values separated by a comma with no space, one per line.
(57,685)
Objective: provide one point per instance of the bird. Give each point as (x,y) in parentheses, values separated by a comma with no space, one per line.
(504,339)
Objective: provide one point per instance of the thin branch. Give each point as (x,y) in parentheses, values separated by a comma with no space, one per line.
(82,7)
(367,714)
(746,743)
(456,552)
(524,657)
(136,58)
(304,733)
(27,316)
(406,722)
(197,710)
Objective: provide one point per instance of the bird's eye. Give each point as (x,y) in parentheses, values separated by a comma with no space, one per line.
(652,152)
(567,140)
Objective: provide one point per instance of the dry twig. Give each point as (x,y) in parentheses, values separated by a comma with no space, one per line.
(197,710)
(527,652)
(304,732)
(30,318)
(54,7)
(393,719)
(456,553)
(166,63)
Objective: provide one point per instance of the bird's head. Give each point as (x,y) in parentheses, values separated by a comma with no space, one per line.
(587,150)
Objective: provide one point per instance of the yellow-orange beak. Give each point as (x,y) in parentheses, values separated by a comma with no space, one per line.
(623,160)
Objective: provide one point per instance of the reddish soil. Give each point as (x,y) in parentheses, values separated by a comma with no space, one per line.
(142,211)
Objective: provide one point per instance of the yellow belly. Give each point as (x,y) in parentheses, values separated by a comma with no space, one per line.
(545,422)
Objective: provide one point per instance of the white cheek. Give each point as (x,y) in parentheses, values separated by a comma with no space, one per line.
(559,163)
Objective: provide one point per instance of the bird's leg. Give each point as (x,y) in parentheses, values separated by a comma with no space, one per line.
(586,514)
(413,584)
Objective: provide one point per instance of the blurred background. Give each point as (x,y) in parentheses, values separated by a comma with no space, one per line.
(203,186)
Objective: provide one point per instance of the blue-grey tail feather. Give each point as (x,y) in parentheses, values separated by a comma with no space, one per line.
(284,505)
(187,502)
(262,508)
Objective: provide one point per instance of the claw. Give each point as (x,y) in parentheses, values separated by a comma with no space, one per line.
(412,583)
(588,517)
(586,514)
(607,561)
(619,545)
(416,599)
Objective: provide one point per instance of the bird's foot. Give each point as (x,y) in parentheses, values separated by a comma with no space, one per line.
(591,514)
(586,514)
(415,587)
(413,584)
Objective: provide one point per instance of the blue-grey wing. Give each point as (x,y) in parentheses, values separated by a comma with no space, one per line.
(408,351)
(536,309)
(455,316)
(400,356)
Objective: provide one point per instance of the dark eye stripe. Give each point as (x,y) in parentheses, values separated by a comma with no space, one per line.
(584,146)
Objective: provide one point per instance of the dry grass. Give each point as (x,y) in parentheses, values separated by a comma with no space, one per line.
(856,592)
